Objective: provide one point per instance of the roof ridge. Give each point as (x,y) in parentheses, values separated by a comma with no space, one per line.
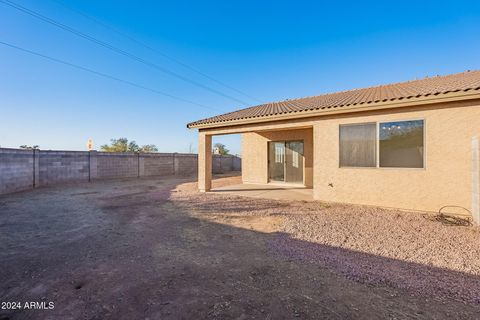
(371,87)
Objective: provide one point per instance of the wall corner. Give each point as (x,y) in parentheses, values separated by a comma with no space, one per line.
(476,179)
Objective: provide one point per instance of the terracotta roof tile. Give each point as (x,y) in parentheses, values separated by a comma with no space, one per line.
(464,81)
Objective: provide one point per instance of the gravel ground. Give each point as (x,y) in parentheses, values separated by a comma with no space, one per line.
(158,249)
(406,250)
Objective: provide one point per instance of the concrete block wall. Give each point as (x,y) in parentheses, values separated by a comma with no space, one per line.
(159,164)
(117,165)
(16,170)
(26,169)
(237,163)
(186,164)
(62,166)
(222,164)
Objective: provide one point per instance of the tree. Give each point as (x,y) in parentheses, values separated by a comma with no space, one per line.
(117,145)
(123,145)
(220,149)
(149,148)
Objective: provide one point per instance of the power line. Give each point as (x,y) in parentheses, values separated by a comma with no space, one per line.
(117,50)
(145,45)
(105,75)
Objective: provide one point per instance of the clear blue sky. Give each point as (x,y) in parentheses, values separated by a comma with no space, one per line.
(271,50)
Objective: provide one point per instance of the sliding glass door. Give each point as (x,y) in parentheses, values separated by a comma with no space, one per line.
(276,161)
(285,161)
(294,162)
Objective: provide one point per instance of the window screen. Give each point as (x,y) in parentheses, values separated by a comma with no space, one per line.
(358,145)
(401,144)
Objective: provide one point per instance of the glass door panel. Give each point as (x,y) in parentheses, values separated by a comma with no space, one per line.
(294,162)
(276,161)
(285,161)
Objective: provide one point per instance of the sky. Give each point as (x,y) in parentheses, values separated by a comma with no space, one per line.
(269,50)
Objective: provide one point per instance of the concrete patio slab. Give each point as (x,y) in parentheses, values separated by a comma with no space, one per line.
(268,191)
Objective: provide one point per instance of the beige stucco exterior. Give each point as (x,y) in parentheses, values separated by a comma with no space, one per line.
(446,180)
(204,162)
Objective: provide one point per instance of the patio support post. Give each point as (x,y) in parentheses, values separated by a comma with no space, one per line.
(204,162)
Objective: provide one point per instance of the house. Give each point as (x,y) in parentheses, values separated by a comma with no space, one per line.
(412,145)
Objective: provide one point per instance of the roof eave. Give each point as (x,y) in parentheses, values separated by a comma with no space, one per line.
(381,105)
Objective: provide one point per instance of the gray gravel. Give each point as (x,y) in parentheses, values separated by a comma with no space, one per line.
(406,250)
(373,245)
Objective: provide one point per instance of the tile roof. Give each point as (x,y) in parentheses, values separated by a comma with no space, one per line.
(458,82)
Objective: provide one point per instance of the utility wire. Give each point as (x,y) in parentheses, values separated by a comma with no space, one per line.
(145,45)
(105,75)
(117,50)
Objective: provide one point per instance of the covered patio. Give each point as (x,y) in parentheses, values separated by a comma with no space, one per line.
(277,161)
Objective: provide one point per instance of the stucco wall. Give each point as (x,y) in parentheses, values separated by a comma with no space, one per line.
(255,153)
(446,179)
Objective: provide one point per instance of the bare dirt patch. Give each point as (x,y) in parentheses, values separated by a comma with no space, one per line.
(267,224)
(158,249)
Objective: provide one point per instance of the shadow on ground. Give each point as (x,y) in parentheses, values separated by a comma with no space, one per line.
(147,249)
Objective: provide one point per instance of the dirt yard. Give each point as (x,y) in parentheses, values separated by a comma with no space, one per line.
(157,249)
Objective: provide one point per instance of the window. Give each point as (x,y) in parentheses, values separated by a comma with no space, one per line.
(401,144)
(358,145)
